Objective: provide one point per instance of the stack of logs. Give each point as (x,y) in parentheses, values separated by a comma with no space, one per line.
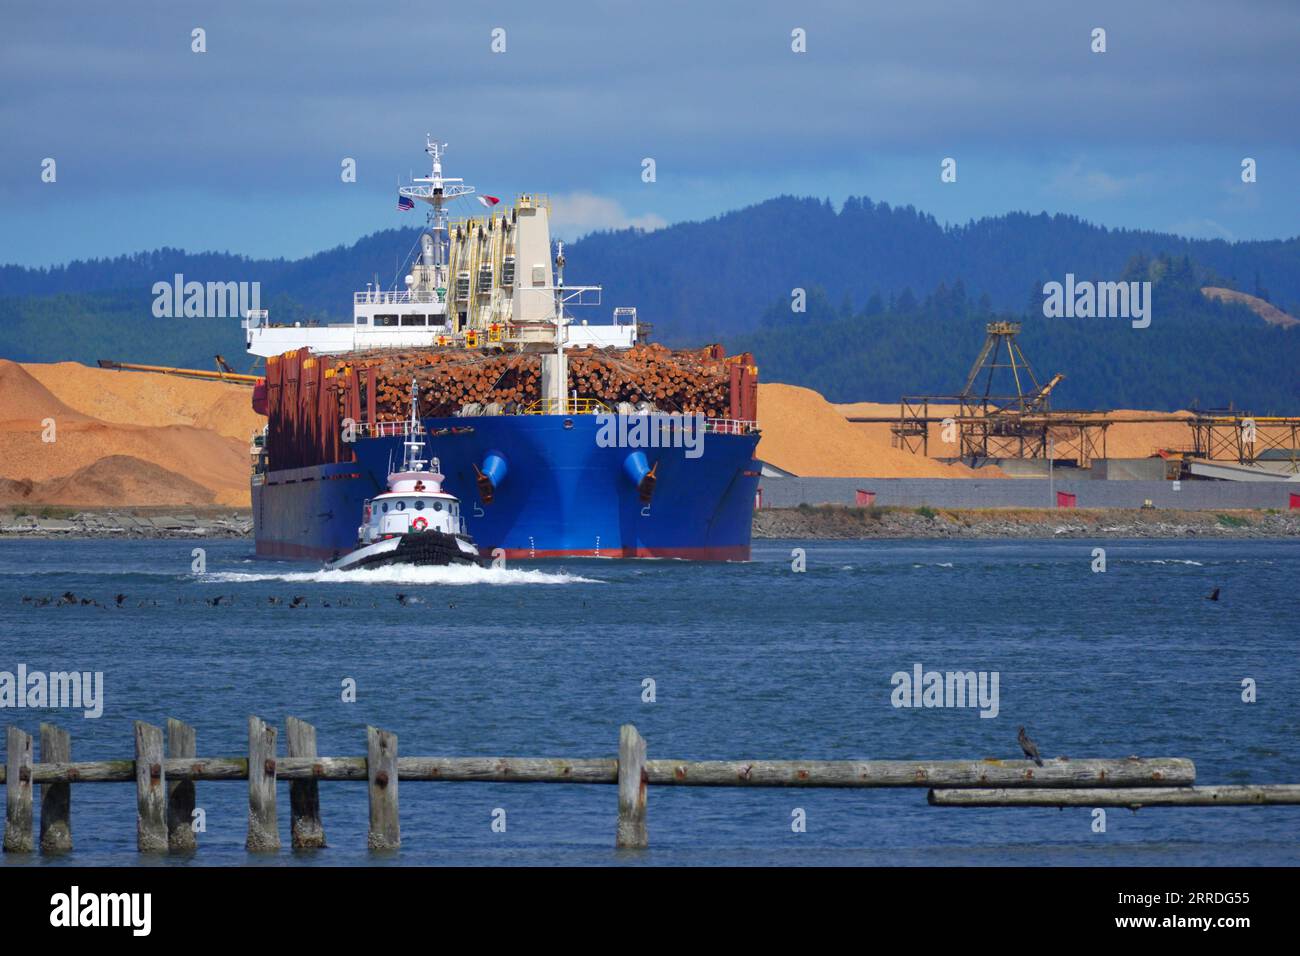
(672,381)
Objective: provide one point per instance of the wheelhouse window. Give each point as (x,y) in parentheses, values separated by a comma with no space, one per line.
(413,320)
(386,320)
(363,320)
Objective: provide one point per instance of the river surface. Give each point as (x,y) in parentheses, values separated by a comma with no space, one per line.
(747,660)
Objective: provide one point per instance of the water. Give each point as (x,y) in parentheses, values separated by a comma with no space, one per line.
(748,660)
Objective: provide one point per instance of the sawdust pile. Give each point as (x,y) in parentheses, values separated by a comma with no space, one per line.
(121,438)
(139,439)
(805,434)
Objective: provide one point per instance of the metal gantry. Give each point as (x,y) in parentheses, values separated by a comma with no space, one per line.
(998,420)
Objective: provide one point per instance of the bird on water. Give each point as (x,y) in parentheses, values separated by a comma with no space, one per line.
(1029,747)
(1213,595)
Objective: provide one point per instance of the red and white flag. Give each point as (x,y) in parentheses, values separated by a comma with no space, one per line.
(489,201)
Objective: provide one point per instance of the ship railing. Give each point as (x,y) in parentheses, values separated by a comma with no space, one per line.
(386,297)
(387,429)
(573,295)
(729,426)
(572,406)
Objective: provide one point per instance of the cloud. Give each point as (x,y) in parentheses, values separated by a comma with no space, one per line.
(576,213)
(1201,229)
(1074,181)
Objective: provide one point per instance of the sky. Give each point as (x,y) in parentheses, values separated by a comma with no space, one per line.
(241,147)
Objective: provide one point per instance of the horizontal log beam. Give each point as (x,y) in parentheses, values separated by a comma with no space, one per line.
(509,769)
(1130,772)
(489,769)
(1155,771)
(1227,796)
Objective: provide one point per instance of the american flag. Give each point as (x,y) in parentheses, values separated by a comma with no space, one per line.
(405,203)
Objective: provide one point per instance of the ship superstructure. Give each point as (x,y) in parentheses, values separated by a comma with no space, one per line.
(477,281)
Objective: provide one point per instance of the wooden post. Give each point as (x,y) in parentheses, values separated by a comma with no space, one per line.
(180,793)
(56,798)
(305,828)
(150,790)
(18,792)
(263,828)
(632,833)
(381,770)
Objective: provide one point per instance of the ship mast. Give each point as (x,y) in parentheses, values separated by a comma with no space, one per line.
(435,189)
(561,376)
(412,459)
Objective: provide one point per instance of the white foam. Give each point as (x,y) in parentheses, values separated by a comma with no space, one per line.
(452,574)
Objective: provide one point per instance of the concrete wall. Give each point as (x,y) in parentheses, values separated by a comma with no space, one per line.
(1129,469)
(1027,492)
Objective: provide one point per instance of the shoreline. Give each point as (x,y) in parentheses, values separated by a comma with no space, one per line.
(841,522)
(133,523)
(820,522)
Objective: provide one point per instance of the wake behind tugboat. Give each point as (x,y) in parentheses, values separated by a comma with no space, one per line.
(415,521)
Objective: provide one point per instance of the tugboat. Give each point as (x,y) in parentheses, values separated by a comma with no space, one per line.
(414,521)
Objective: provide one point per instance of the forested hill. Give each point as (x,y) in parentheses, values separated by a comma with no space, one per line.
(1196,353)
(715,280)
(699,281)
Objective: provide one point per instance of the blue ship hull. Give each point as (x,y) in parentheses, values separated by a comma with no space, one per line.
(558,494)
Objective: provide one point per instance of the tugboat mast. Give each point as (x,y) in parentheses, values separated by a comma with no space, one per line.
(413,459)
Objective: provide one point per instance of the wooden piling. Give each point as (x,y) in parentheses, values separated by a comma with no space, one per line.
(381,769)
(150,790)
(305,828)
(631,834)
(181,745)
(18,792)
(263,830)
(56,798)
(1255,795)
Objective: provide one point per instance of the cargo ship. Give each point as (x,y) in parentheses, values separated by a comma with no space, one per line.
(562,437)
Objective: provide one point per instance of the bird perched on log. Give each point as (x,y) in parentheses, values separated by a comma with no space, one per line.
(1029,747)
